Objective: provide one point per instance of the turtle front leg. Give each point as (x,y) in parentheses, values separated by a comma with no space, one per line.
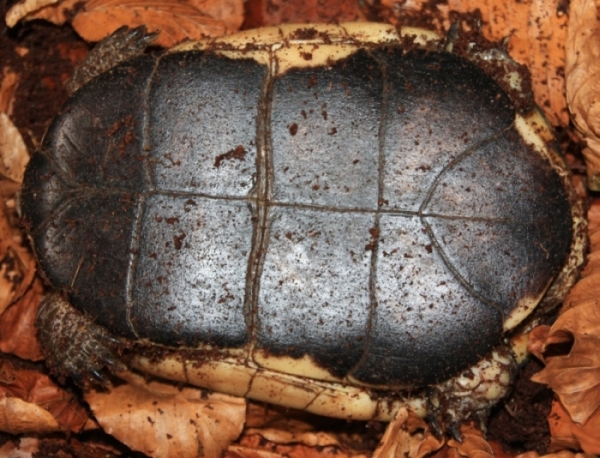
(472,393)
(123,44)
(73,345)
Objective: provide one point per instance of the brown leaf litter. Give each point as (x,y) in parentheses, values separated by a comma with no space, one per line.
(570,348)
(583,81)
(175,20)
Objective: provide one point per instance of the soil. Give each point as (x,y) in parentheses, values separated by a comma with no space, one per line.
(44,56)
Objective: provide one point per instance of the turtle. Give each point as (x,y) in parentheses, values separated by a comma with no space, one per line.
(344,219)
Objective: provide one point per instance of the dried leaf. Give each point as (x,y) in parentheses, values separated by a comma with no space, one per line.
(407,435)
(275,12)
(175,20)
(17,266)
(238,451)
(560,454)
(575,377)
(18,416)
(8,88)
(31,402)
(275,433)
(17,325)
(567,434)
(25,9)
(277,428)
(25,447)
(536,343)
(473,443)
(161,420)
(255,446)
(582,72)
(13,154)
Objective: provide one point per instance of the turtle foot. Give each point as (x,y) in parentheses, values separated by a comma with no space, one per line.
(73,345)
(471,394)
(123,44)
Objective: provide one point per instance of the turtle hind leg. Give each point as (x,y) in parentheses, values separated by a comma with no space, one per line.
(471,394)
(123,44)
(73,345)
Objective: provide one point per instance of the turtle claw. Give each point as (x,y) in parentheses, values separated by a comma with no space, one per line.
(99,377)
(454,431)
(73,345)
(436,424)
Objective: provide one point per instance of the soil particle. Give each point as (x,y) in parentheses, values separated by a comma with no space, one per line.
(519,423)
(44,56)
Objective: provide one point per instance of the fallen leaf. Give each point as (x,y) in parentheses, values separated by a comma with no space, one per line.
(407,436)
(582,72)
(255,446)
(26,10)
(567,434)
(239,451)
(17,325)
(25,447)
(30,402)
(260,13)
(8,88)
(575,377)
(278,432)
(13,155)
(536,342)
(18,417)
(161,420)
(473,443)
(17,266)
(281,429)
(560,454)
(175,21)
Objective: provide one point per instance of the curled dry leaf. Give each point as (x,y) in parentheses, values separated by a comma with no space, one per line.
(17,325)
(17,266)
(8,88)
(255,446)
(162,420)
(25,447)
(473,444)
(575,377)
(239,451)
(582,73)
(55,11)
(560,454)
(175,20)
(407,435)
(281,429)
(272,431)
(13,156)
(536,32)
(30,402)
(567,434)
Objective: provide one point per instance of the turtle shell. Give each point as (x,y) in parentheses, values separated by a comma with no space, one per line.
(379,211)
